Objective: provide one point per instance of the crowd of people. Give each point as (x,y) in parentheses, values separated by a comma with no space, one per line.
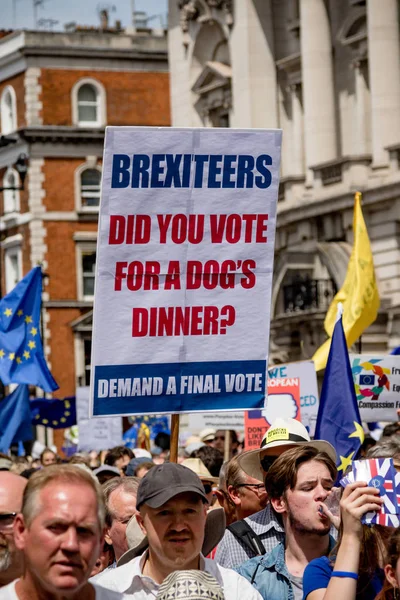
(269,523)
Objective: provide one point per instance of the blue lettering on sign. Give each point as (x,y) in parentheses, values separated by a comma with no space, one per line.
(277,373)
(191,170)
(308,401)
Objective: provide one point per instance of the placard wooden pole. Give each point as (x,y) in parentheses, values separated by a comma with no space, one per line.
(173,452)
(227,446)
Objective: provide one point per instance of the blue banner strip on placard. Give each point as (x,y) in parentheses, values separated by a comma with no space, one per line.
(179,387)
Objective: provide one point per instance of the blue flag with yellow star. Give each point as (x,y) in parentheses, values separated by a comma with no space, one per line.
(21,353)
(15,418)
(338,420)
(56,414)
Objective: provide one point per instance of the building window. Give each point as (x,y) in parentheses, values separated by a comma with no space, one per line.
(87,342)
(8,110)
(90,188)
(13,267)
(11,197)
(85,268)
(88,102)
(88,272)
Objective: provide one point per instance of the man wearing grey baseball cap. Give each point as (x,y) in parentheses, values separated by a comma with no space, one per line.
(173,512)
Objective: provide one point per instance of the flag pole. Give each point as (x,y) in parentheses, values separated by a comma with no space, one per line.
(173,454)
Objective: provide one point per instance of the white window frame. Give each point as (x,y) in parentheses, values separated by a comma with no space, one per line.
(81,249)
(12,247)
(80,207)
(8,122)
(9,203)
(101,104)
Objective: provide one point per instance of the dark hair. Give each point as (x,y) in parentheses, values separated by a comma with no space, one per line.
(211,457)
(115,453)
(390,430)
(373,544)
(144,465)
(283,472)
(45,451)
(392,556)
(163,440)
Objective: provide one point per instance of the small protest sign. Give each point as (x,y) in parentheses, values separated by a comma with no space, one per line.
(97,434)
(283,401)
(184,270)
(377,385)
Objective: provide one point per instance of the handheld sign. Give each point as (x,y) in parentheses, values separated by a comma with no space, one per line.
(184,270)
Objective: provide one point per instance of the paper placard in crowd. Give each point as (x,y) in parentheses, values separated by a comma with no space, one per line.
(283,402)
(304,371)
(184,270)
(377,384)
(95,434)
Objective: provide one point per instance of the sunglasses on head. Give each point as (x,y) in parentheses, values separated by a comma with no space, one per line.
(267,462)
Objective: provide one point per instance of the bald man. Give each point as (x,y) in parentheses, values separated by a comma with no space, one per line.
(11,490)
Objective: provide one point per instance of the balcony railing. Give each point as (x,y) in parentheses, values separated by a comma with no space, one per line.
(308,295)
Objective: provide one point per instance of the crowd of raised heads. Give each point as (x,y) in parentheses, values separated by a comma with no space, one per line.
(224,522)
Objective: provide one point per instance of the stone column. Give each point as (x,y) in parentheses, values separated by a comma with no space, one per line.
(317,81)
(297,167)
(361,116)
(384,76)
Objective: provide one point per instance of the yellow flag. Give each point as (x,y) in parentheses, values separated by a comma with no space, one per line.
(359,293)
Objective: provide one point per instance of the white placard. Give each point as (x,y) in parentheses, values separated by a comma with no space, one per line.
(184,270)
(377,385)
(95,434)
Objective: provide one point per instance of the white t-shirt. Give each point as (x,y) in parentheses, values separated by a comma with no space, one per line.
(8,593)
(130,581)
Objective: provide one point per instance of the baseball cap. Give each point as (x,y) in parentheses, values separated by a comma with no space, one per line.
(165,481)
(283,432)
(106,469)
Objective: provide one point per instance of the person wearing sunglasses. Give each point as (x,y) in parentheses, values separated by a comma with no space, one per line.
(263,528)
(247,494)
(209,482)
(11,490)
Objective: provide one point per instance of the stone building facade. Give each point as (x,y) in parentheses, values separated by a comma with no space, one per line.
(58,91)
(328,73)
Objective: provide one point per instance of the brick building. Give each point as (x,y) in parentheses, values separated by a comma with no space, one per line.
(57,93)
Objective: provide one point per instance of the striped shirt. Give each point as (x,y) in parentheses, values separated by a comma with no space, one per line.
(232,552)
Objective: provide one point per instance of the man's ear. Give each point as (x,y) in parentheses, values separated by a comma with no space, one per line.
(279,505)
(139,519)
(390,574)
(19,531)
(234,495)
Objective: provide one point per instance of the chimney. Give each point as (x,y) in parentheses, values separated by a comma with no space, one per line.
(104,19)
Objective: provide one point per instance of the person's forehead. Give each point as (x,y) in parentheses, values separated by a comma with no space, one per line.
(121,499)
(61,497)
(312,469)
(11,492)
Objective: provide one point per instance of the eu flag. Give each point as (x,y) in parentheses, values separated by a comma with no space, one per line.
(21,352)
(56,414)
(15,418)
(338,420)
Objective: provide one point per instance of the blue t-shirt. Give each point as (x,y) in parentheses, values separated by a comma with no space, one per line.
(318,573)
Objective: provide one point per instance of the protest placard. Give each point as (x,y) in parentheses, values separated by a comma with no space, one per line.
(95,434)
(377,385)
(304,371)
(283,401)
(184,269)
